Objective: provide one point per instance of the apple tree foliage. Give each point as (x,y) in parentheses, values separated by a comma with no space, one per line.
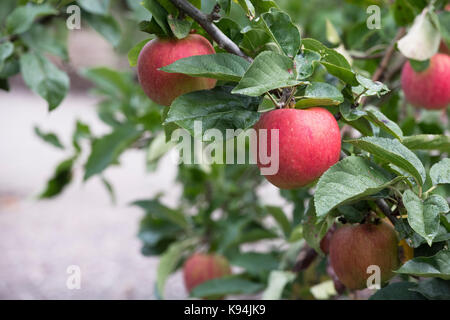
(390,152)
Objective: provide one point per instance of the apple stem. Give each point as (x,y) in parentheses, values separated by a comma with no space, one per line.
(275,103)
(206,22)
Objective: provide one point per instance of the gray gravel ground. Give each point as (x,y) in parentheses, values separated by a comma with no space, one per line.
(40,239)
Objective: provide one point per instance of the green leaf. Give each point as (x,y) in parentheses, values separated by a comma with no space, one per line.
(332,34)
(283,32)
(262,6)
(350,113)
(107,26)
(305,63)
(222,66)
(157,209)
(372,88)
(247,6)
(107,149)
(277,282)
(157,148)
(319,94)
(279,216)
(100,7)
(180,27)
(22,18)
(333,61)
(437,266)
(108,186)
(216,108)
(133,54)
(428,142)
(440,172)
(398,291)
(49,137)
(353,178)
(403,12)
(169,261)
(434,289)
(82,131)
(51,39)
(44,78)
(423,217)
(225,5)
(444,22)
(379,119)
(152,27)
(352,213)
(6,50)
(61,178)
(110,82)
(268,71)
(254,41)
(256,263)
(220,287)
(231,29)
(313,229)
(419,66)
(392,151)
(159,13)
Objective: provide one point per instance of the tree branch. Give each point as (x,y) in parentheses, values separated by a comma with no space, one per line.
(205,21)
(388,55)
(381,68)
(386,210)
(306,256)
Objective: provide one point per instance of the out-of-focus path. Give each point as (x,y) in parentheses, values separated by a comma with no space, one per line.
(40,239)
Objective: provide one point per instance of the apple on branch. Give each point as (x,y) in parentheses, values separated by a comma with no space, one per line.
(163,87)
(430,88)
(200,268)
(353,248)
(309,143)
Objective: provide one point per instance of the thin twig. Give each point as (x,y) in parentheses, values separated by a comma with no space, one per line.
(388,55)
(216,34)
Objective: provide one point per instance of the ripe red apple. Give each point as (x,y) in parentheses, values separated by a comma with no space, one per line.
(201,267)
(163,87)
(430,88)
(353,248)
(309,143)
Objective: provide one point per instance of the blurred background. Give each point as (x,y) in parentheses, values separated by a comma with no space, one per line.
(83,226)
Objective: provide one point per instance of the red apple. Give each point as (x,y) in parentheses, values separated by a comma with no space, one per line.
(163,87)
(200,268)
(309,143)
(354,248)
(429,89)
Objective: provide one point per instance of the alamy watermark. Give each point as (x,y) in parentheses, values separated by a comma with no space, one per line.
(229,147)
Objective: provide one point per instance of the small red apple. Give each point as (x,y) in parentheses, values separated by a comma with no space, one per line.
(201,267)
(309,143)
(429,89)
(163,87)
(354,248)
